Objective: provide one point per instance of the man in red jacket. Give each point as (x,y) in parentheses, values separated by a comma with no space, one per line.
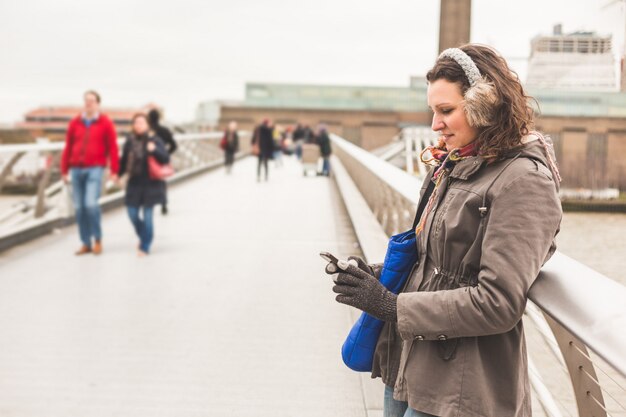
(91,141)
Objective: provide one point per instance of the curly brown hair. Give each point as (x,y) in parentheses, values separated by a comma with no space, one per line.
(512,115)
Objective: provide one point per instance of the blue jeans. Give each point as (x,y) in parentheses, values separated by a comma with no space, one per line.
(395,408)
(262,162)
(299,149)
(86,189)
(277,157)
(326,166)
(143,226)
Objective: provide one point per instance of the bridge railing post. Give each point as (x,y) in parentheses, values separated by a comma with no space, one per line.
(582,373)
(6,170)
(52,160)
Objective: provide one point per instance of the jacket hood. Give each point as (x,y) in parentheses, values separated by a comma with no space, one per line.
(534,146)
(540,148)
(533,149)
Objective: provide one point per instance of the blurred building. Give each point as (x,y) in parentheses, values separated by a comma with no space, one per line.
(367,115)
(208,113)
(575,80)
(337,97)
(578,61)
(589,131)
(52,121)
(588,126)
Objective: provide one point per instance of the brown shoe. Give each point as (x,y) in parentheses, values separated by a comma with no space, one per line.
(83,250)
(97,248)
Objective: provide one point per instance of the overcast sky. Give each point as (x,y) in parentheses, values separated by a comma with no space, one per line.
(180,53)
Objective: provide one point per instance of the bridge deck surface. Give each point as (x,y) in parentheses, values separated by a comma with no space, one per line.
(230,314)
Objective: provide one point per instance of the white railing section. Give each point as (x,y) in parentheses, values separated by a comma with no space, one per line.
(416,139)
(389,191)
(52,201)
(573,308)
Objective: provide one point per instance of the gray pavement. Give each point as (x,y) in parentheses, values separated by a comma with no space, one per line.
(231,315)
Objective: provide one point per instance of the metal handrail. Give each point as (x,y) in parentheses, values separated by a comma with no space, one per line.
(586,303)
(406,185)
(58,146)
(582,307)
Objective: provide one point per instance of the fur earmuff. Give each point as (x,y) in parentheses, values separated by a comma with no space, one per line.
(480,103)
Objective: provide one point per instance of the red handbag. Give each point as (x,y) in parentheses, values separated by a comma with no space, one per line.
(158,171)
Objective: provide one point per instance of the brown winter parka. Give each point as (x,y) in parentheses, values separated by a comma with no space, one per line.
(458,348)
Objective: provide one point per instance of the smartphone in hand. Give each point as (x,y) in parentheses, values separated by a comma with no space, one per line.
(332,260)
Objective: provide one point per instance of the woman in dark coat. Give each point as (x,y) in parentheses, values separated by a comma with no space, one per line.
(168,140)
(323,141)
(263,146)
(141,190)
(230,145)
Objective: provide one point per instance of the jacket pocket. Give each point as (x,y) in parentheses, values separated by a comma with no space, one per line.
(447,348)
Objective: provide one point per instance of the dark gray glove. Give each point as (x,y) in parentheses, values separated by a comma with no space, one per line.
(362,290)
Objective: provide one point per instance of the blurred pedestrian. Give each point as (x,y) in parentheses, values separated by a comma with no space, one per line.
(323,141)
(308,135)
(90,142)
(278,135)
(230,145)
(168,140)
(298,139)
(263,147)
(288,148)
(142,192)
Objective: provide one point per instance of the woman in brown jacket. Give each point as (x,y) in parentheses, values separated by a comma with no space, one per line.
(453,342)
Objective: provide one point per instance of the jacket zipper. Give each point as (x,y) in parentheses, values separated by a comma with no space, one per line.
(389,327)
(437,196)
(401,380)
(83,149)
(401,371)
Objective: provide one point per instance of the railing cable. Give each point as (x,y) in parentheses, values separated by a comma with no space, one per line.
(598,367)
(589,394)
(581,368)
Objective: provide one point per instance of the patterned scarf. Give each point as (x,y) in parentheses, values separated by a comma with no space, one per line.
(445,161)
(137,154)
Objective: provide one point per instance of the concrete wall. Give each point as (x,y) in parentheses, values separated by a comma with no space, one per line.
(574,145)
(616,159)
(591,151)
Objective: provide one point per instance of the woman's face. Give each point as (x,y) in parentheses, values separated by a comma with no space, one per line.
(446,101)
(140,126)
